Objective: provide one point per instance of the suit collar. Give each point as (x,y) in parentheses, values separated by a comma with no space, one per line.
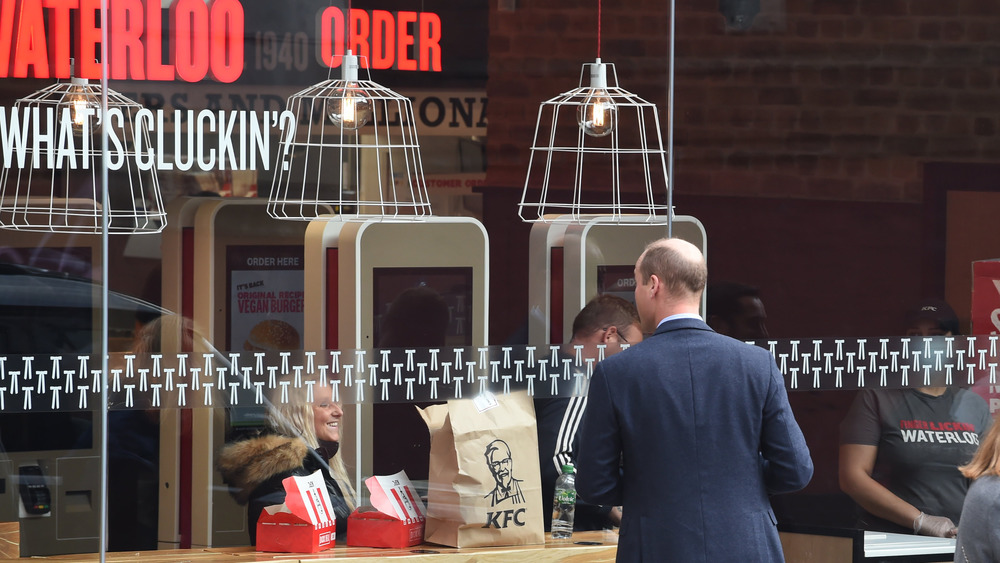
(682,323)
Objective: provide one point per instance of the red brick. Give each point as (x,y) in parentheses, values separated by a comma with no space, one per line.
(812,120)
(892,29)
(927,101)
(991,54)
(935,123)
(806,28)
(881,76)
(854,166)
(909,76)
(779,96)
(929,31)
(943,146)
(854,28)
(773,75)
(835,7)
(978,31)
(976,102)
(763,48)
(981,79)
(905,54)
(808,142)
(930,77)
(880,97)
(955,54)
(879,191)
(985,126)
(826,97)
(976,7)
(953,30)
(807,50)
(854,144)
(955,78)
(933,9)
(905,144)
(884,8)
(831,29)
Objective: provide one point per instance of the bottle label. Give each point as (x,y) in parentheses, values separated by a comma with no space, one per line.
(566,497)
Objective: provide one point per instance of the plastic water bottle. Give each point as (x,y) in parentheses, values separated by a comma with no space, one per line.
(564,503)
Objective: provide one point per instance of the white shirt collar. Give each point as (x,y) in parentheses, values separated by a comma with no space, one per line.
(679,316)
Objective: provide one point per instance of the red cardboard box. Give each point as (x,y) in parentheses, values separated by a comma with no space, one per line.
(305,523)
(395,518)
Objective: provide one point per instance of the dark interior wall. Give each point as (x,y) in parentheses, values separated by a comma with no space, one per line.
(825,268)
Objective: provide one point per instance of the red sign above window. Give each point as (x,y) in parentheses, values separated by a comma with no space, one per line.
(199,40)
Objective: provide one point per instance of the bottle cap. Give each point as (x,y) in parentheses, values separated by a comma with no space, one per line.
(568,468)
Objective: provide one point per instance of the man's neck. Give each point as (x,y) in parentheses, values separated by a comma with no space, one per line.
(671,308)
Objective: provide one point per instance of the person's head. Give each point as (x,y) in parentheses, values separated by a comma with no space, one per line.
(317,421)
(498,458)
(735,309)
(418,317)
(670,277)
(986,461)
(607,319)
(932,317)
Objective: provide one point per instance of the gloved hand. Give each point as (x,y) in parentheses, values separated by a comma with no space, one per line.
(937,526)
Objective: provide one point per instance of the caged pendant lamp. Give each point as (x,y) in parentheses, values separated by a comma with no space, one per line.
(53,180)
(355,150)
(597,150)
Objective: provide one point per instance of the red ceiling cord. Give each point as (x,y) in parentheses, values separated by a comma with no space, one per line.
(598,28)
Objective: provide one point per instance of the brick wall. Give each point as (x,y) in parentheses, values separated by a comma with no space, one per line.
(827,99)
(821,100)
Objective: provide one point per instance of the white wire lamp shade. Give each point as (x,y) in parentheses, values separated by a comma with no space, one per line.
(597,150)
(57,185)
(355,151)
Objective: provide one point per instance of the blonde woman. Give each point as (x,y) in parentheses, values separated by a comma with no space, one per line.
(979,536)
(303,437)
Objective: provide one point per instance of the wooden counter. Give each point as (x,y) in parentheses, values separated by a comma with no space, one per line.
(576,550)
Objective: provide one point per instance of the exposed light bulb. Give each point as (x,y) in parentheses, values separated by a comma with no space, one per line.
(350,107)
(597,115)
(83,107)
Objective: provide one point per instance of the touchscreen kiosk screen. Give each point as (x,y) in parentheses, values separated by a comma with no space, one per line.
(422,307)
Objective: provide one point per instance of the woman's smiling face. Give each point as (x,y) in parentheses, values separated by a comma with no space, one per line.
(326,415)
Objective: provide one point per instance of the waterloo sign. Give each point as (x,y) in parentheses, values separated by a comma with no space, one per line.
(198,40)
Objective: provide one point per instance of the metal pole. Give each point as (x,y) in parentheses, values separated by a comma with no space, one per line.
(670,126)
(105,223)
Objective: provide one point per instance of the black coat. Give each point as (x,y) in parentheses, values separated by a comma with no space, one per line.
(254,470)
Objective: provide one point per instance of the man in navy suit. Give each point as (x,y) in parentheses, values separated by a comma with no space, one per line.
(689,431)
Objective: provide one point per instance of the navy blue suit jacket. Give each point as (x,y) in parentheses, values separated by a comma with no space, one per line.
(691,431)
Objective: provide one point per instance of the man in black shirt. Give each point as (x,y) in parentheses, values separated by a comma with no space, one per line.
(613,322)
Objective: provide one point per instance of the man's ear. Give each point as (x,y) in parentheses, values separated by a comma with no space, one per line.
(606,337)
(655,284)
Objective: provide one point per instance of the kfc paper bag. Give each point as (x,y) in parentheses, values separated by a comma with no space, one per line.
(484,486)
(305,523)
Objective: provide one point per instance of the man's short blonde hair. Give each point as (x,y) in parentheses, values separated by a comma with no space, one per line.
(679,264)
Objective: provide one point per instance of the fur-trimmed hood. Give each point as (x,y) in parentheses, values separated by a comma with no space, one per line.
(247,464)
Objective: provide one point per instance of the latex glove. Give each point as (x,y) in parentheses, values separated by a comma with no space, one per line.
(938,526)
